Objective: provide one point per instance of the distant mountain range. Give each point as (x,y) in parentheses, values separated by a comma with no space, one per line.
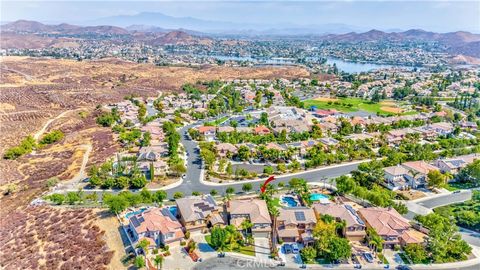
(456,43)
(221,27)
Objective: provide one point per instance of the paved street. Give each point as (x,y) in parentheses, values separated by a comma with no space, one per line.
(192,181)
(442,200)
(237,263)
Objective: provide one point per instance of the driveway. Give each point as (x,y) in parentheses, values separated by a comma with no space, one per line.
(262,248)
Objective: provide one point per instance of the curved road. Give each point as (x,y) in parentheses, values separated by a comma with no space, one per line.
(193,182)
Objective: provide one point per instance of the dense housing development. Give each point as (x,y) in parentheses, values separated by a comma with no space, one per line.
(144,147)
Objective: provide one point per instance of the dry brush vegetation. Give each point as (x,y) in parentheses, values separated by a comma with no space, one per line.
(48,238)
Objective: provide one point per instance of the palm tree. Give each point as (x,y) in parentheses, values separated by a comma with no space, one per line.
(143,244)
(246,225)
(272,209)
(158,260)
(375,241)
(414,175)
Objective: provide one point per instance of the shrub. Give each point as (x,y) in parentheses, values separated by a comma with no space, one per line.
(52,137)
(26,146)
(177,195)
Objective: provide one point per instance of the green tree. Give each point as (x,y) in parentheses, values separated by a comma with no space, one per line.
(158,260)
(436,179)
(339,248)
(308,254)
(139,262)
(247,187)
(177,195)
(116,204)
(218,238)
(138,181)
(375,240)
(268,170)
(147,196)
(56,198)
(160,196)
(243,153)
(229,168)
(122,182)
(416,253)
(230,190)
(444,242)
(52,137)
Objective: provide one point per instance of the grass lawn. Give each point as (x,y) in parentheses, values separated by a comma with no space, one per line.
(276,202)
(217,122)
(356,104)
(247,250)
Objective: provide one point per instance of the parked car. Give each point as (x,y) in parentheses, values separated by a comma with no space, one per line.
(456,191)
(295,248)
(287,248)
(221,254)
(403,267)
(368,256)
(357,266)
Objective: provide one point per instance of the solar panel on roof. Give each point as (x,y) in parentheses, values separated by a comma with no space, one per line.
(351,210)
(300,216)
(135,222)
(141,219)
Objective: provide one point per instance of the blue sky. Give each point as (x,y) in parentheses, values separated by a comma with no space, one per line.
(440,16)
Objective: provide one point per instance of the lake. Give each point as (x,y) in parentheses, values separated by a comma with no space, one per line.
(356,67)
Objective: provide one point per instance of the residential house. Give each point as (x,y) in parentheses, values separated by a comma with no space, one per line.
(454,165)
(255,211)
(199,212)
(442,128)
(295,224)
(225,149)
(156,225)
(261,130)
(160,167)
(391,226)
(208,132)
(355,227)
(419,171)
(398,178)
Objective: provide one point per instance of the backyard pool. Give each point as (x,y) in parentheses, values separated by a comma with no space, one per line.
(289,201)
(318,197)
(173,210)
(133,213)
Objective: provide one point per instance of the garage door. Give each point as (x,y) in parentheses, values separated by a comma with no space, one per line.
(261,234)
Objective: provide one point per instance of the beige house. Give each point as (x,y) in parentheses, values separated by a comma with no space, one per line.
(391,226)
(199,212)
(224,149)
(254,210)
(157,225)
(295,224)
(355,226)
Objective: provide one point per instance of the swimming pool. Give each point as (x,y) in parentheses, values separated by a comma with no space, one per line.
(173,210)
(131,214)
(318,197)
(289,201)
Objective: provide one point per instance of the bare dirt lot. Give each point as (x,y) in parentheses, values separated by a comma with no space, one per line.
(34,91)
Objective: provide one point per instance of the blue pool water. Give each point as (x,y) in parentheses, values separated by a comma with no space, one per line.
(318,196)
(131,214)
(173,210)
(290,201)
